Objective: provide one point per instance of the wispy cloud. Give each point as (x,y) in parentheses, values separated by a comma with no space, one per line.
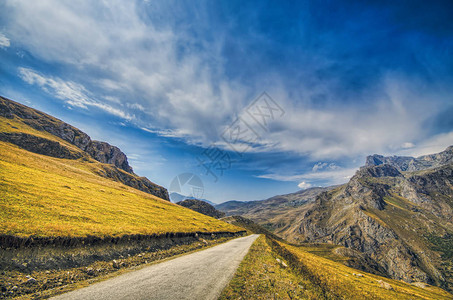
(337,176)
(167,68)
(71,93)
(4,41)
(434,144)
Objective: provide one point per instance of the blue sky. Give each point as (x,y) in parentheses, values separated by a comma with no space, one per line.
(164,79)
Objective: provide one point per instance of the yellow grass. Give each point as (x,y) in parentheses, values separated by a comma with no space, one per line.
(47,197)
(340,280)
(261,276)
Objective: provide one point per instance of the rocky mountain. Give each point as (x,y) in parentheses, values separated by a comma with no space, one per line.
(177,197)
(393,218)
(202,207)
(396,212)
(44,134)
(275,213)
(250,226)
(406,163)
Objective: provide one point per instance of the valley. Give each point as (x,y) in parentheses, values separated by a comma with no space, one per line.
(393,217)
(73,213)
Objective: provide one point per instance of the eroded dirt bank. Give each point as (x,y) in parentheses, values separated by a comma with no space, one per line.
(40,267)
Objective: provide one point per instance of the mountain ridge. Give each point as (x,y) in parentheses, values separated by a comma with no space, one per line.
(38,141)
(388,214)
(393,217)
(409,163)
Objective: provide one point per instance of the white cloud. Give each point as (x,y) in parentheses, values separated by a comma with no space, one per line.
(432,145)
(338,176)
(407,145)
(71,93)
(4,41)
(324,166)
(188,96)
(135,106)
(304,185)
(137,59)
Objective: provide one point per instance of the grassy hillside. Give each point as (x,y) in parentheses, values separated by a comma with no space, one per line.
(46,196)
(276,270)
(261,276)
(338,279)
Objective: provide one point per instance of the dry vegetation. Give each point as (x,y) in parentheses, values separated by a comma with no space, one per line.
(47,197)
(309,276)
(261,276)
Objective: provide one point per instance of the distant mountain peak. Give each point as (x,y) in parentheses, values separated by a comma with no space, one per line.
(408,163)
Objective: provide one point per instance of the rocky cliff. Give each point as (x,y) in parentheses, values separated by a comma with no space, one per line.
(39,130)
(405,163)
(101,151)
(394,217)
(394,210)
(278,213)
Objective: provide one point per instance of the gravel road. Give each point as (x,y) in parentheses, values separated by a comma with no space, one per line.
(200,275)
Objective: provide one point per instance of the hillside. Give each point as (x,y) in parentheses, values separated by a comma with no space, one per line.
(40,133)
(393,218)
(249,225)
(400,222)
(176,197)
(55,181)
(275,213)
(275,270)
(202,207)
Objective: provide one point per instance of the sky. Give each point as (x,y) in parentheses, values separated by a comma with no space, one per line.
(255,98)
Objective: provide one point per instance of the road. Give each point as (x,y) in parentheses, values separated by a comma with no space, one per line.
(199,275)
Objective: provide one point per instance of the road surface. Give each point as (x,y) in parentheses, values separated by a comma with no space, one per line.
(199,275)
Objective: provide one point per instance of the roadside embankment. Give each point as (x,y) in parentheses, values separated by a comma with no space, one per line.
(36,266)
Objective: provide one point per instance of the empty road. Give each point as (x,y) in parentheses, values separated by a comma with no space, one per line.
(200,275)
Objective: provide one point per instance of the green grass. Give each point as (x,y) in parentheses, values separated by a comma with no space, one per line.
(49,197)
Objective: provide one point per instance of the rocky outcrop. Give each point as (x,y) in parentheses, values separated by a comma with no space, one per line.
(39,145)
(202,207)
(343,220)
(102,152)
(139,183)
(406,163)
(385,213)
(108,154)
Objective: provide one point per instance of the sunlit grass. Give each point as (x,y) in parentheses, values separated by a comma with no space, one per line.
(46,196)
(261,276)
(340,280)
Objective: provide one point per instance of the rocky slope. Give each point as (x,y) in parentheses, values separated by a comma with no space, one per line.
(405,163)
(394,217)
(202,207)
(276,213)
(396,211)
(34,137)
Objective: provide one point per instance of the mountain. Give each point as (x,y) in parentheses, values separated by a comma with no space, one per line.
(201,207)
(177,197)
(72,208)
(396,212)
(249,225)
(41,133)
(55,181)
(274,213)
(406,163)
